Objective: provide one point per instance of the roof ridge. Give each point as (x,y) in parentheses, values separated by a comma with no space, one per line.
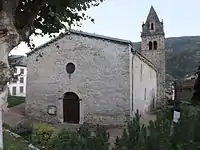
(79,33)
(134,51)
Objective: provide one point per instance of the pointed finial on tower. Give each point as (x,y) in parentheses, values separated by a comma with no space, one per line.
(152,24)
(152,16)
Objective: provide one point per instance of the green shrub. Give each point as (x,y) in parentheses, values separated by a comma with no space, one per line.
(84,131)
(43,133)
(67,140)
(83,139)
(24,129)
(7,126)
(99,139)
(159,134)
(132,136)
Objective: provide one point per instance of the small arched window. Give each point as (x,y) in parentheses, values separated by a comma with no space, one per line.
(150,45)
(152,26)
(155,45)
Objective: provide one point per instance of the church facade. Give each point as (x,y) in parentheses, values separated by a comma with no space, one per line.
(82,77)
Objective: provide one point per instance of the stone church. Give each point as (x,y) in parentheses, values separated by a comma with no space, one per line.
(81,77)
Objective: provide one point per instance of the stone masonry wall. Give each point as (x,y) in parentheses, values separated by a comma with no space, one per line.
(144,86)
(159,38)
(101,79)
(157,57)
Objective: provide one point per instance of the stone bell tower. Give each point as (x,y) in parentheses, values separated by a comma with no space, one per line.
(153,47)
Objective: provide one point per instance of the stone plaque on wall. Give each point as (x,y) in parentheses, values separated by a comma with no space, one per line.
(51,110)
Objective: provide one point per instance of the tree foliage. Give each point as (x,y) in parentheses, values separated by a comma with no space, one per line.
(49,16)
(158,135)
(196,95)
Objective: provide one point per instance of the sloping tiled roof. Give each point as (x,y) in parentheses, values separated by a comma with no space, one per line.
(17,60)
(147,61)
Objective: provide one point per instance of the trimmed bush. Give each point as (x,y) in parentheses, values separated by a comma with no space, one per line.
(43,133)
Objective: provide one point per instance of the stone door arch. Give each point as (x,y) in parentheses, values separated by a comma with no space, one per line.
(71,108)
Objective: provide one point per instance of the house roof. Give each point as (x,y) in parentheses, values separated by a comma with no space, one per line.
(193,73)
(17,60)
(92,35)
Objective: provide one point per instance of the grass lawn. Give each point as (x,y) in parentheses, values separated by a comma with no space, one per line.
(15,100)
(12,143)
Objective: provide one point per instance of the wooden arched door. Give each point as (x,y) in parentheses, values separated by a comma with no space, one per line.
(71,108)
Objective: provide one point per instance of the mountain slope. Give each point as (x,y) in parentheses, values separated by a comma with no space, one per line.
(182,55)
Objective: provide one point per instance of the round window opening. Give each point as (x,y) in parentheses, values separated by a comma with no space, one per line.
(70,68)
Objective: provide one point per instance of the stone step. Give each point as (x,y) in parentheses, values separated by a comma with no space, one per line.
(68,126)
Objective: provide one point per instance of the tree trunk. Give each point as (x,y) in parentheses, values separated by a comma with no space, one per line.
(9,38)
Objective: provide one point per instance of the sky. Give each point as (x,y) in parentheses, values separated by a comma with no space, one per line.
(123,19)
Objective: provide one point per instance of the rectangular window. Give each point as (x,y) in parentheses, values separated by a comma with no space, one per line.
(21,89)
(145,94)
(141,72)
(14,80)
(21,71)
(15,70)
(14,90)
(21,79)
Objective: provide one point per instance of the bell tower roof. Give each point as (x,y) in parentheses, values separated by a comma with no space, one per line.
(152,16)
(153,25)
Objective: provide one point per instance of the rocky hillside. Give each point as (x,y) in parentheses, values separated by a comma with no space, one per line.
(182,55)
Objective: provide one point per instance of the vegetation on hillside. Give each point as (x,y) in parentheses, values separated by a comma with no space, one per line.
(182,55)
(196,94)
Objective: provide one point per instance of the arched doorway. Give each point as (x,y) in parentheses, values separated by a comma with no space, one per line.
(71,108)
